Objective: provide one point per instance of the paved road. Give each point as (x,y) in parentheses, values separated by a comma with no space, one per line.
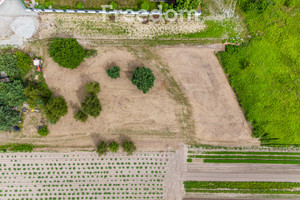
(14,8)
(242,172)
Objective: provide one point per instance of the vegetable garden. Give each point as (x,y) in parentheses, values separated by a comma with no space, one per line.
(82,175)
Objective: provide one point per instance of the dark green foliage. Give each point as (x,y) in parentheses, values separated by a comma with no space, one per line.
(12,93)
(8,117)
(92,87)
(143,78)
(265,72)
(80,116)
(91,105)
(37,94)
(114,146)
(55,108)
(102,148)
(8,64)
(79,5)
(189,160)
(16,148)
(187,4)
(129,147)
(23,62)
(113,72)
(241,187)
(44,131)
(114,5)
(67,52)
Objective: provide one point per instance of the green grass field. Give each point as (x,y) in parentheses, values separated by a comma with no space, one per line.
(264,72)
(254,153)
(242,187)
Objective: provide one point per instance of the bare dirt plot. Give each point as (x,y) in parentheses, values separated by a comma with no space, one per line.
(217,115)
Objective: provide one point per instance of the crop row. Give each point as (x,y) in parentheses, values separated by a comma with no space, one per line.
(242,187)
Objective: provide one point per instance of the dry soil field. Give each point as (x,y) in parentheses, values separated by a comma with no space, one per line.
(190,102)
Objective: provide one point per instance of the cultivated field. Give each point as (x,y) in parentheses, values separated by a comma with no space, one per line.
(82,175)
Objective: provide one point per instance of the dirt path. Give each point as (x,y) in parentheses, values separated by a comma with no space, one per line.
(242,172)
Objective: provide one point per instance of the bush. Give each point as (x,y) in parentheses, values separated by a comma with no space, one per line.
(16,148)
(102,148)
(79,5)
(143,78)
(129,147)
(145,6)
(55,108)
(113,72)
(37,94)
(67,52)
(114,146)
(80,116)
(43,131)
(91,105)
(23,62)
(90,52)
(47,4)
(92,87)
(114,5)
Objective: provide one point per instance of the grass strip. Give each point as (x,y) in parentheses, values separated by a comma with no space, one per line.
(246,157)
(296,162)
(252,152)
(242,187)
(16,148)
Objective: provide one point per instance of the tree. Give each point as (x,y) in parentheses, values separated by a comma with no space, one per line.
(8,117)
(43,131)
(114,146)
(91,105)
(129,147)
(67,52)
(23,62)
(80,116)
(114,5)
(143,78)
(37,94)
(145,6)
(113,72)
(8,64)
(102,148)
(92,87)
(55,108)
(12,94)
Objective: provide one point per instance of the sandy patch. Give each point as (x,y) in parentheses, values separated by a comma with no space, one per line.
(217,115)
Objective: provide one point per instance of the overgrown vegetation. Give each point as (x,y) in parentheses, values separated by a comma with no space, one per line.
(92,87)
(113,72)
(23,62)
(242,187)
(264,72)
(143,78)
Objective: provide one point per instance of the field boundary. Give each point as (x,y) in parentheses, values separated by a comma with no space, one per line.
(110,12)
